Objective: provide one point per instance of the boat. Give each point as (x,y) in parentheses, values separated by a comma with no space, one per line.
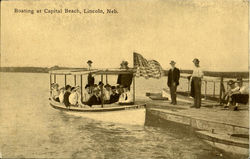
(234,143)
(95,108)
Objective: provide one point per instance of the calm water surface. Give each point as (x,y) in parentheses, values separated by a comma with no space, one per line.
(30,128)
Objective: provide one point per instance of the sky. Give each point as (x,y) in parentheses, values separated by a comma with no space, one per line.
(215,31)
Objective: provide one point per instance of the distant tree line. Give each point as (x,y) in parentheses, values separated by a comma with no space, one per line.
(47,69)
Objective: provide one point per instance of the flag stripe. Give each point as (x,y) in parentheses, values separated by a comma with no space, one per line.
(147,68)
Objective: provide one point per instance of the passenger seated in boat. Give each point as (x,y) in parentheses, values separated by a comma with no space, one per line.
(100,85)
(86,93)
(231,89)
(95,98)
(74,96)
(241,95)
(106,93)
(114,97)
(55,92)
(62,91)
(66,95)
(125,97)
(120,89)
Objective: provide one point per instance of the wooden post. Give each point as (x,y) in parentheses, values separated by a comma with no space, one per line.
(65,80)
(102,90)
(106,78)
(50,80)
(134,89)
(75,80)
(221,89)
(81,86)
(54,78)
(205,89)
(214,90)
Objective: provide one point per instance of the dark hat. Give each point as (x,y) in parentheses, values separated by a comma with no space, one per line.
(67,87)
(196,60)
(89,61)
(75,88)
(87,85)
(230,82)
(100,83)
(172,62)
(124,63)
(239,80)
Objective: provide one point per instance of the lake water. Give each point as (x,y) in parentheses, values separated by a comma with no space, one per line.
(30,128)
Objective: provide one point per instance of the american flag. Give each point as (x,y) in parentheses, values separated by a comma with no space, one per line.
(147,68)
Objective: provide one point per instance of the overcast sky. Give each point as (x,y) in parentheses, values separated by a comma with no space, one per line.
(215,31)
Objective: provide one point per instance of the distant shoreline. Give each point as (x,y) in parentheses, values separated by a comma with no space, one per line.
(242,74)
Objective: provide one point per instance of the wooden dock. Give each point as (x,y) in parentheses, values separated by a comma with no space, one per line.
(212,123)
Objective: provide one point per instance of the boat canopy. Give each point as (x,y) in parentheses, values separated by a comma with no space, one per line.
(94,71)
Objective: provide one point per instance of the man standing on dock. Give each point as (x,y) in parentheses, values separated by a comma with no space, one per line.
(173,81)
(196,77)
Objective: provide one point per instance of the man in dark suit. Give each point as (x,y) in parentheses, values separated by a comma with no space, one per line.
(173,81)
(95,98)
(125,79)
(66,96)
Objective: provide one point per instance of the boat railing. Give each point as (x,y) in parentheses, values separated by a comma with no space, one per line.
(219,85)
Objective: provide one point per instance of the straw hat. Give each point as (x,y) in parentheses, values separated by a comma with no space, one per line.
(75,88)
(230,82)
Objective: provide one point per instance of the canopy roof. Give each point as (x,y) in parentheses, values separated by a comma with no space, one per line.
(94,71)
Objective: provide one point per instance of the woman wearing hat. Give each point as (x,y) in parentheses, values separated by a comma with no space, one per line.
(196,77)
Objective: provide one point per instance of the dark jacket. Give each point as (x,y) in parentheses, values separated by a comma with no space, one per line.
(114,98)
(93,100)
(91,80)
(125,79)
(66,99)
(173,76)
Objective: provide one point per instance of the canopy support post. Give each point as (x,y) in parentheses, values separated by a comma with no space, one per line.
(54,78)
(50,80)
(81,86)
(106,78)
(102,90)
(205,89)
(75,80)
(134,89)
(65,80)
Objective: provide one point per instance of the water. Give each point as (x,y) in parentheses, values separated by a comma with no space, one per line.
(30,128)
